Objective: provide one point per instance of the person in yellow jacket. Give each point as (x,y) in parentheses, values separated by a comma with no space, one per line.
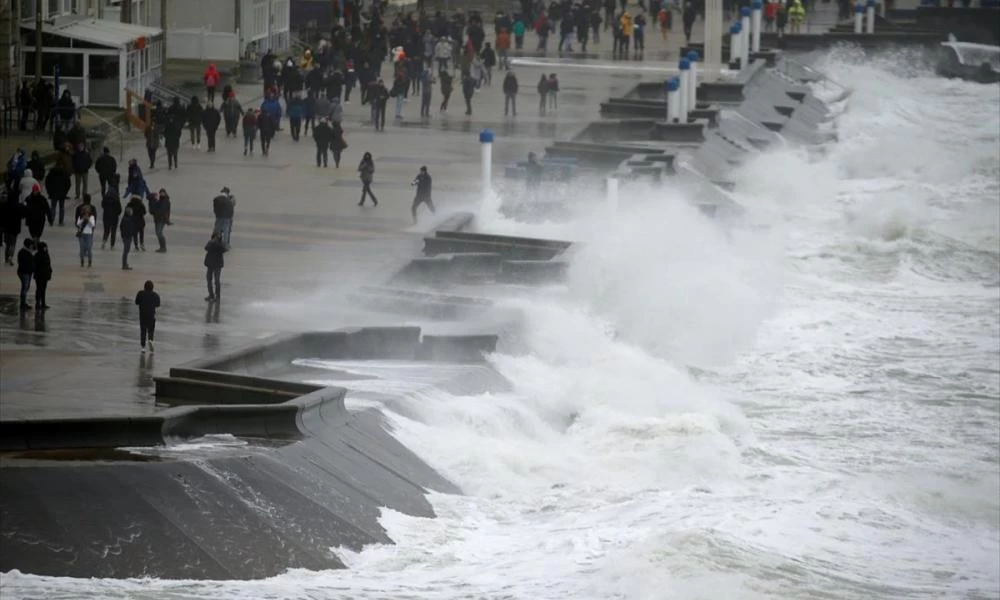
(626,34)
(796,14)
(307,60)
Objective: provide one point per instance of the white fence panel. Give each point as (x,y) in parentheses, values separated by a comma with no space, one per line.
(202,44)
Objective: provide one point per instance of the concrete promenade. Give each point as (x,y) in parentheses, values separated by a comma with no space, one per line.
(300,242)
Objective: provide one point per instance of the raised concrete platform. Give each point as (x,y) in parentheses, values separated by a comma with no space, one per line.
(309,477)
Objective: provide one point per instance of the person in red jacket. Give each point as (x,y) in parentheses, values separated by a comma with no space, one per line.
(212,79)
(770,15)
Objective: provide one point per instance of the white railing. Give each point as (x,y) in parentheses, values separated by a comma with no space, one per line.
(202,44)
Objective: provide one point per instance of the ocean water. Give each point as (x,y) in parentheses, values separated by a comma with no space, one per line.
(805,409)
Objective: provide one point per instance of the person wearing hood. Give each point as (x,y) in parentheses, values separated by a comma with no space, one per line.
(11,218)
(212,77)
(138,212)
(57,185)
(43,274)
(37,166)
(106,166)
(15,170)
(296,108)
(307,60)
(194,114)
(159,208)
(231,113)
(128,232)
(37,212)
(111,205)
(26,184)
(210,120)
(86,224)
(136,183)
(272,108)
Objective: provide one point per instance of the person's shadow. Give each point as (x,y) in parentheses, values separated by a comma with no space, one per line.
(212,312)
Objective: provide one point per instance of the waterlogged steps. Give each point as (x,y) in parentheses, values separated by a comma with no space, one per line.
(296,475)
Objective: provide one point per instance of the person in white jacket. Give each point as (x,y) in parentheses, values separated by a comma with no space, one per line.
(28,181)
(85,225)
(443,51)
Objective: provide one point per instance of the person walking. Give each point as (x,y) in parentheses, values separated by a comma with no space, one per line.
(426,90)
(231,113)
(36,213)
(159,208)
(296,109)
(366,171)
(139,222)
(43,274)
(58,185)
(26,270)
(379,97)
(106,166)
(172,138)
(267,126)
(210,120)
(128,231)
(510,93)
(195,112)
(148,301)
(212,77)
(323,136)
(249,131)
(552,91)
(152,145)
(111,204)
(81,169)
(423,184)
(11,218)
(224,207)
(543,91)
(447,85)
(85,225)
(214,261)
(337,143)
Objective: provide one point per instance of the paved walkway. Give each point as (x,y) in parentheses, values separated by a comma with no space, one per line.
(300,242)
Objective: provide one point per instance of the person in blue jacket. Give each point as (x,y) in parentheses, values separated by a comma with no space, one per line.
(272,108)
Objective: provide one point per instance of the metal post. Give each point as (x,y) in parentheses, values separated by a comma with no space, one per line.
(735,54)
(692,99)
(871,16)
(685,68)
(486,143)
(270,6)
(859,17)
(755,23)
(673,100)
(713,39)
(745,32)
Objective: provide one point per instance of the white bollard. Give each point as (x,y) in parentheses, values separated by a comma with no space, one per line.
(673,100)
(486,143)
(735,54)
(755,21)
(613,193)
(682,96)
(692,101)
(859,17)
(871,16)
(745,43)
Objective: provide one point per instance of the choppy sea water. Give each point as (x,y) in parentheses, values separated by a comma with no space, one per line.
(808,408)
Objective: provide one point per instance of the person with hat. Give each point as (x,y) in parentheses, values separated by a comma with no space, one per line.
(224,206)
(423,183)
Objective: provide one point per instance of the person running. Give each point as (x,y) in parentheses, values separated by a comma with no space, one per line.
(148,301)
(85,225)
(366,171)
(423,183)
(447,85)
(111,204)
(43,273)
(214,262)
(26,270)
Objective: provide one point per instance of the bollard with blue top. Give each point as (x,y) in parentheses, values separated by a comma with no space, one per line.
(735,54)
(682,96)
(486,143)
(859,18)
(673,100)
(745,32)
(871,15)
(692,99)
(756,19)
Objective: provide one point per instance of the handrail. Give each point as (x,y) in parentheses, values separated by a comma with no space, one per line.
(111,127)
(822,76)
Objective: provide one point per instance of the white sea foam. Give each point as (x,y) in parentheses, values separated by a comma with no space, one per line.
(838,438)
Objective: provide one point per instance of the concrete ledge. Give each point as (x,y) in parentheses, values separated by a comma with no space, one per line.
(532,271)
(462,349)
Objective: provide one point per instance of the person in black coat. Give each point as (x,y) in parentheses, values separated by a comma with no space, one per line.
(111,204)
(36,166)
(43,273)
(58,184)
(36,213)
(148,301)
(106,166)
(138,211)
(11,216)
(172,139)
(194,114)
(25,270)
(322,135)
(267,128)
(128,231)
(423,185)
(210,120)
(214,261)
